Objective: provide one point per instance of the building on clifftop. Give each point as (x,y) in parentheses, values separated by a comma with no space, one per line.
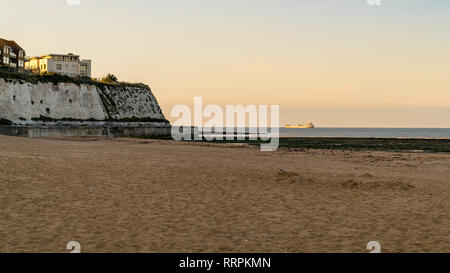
(12,56)
(64,64)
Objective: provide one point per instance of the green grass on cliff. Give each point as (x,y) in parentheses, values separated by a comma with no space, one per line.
(56,79)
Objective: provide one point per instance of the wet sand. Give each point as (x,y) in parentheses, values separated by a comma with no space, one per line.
(133,195)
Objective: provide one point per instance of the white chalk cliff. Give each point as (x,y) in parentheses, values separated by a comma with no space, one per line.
(22,101)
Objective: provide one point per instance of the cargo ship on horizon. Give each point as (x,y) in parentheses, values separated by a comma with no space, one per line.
(309,125)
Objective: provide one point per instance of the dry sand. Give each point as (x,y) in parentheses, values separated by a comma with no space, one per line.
(130,195)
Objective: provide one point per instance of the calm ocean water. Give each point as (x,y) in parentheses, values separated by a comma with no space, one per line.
(432,133)
(368,132)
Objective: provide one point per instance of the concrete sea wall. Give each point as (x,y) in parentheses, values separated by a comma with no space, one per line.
(73,131)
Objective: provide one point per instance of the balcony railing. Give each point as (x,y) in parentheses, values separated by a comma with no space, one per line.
(12,55)
(13,65)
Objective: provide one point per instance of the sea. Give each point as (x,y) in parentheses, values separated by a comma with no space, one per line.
(422,133)
(431,133)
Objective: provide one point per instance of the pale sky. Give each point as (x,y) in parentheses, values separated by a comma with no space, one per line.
(337,63)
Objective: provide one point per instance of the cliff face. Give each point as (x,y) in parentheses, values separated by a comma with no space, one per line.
(128,102)
(22,102)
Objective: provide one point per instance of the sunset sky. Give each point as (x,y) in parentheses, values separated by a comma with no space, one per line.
(338,63)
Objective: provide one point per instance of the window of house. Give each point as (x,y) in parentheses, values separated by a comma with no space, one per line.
(58,66)
(20,63)
(5,60)
(83,68)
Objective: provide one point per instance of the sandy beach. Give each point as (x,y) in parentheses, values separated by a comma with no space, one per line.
(135,195)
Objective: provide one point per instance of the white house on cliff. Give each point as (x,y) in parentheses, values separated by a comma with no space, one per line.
(64,64)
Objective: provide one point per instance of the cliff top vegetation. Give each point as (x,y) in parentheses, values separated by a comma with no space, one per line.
(56,79)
